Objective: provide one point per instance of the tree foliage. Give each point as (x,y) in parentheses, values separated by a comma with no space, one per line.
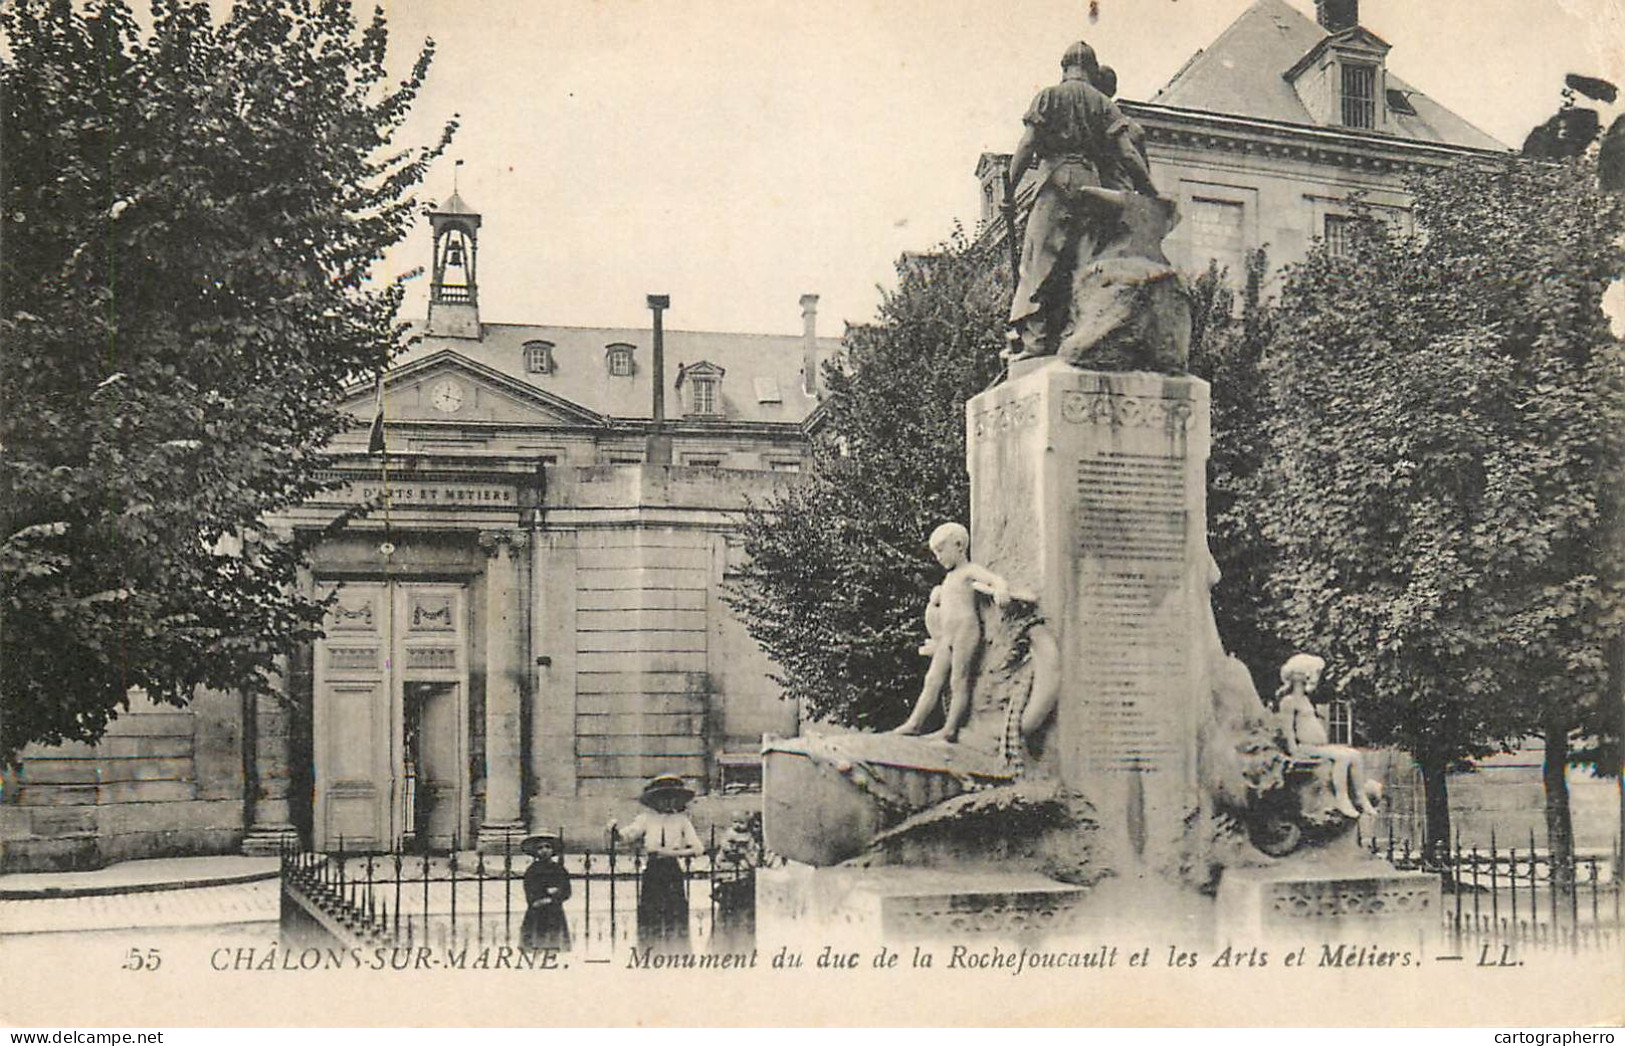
(1228,343)
(1447,406)
(838,570)
(191,210)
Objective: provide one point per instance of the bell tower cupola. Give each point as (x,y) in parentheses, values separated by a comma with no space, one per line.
(454,296)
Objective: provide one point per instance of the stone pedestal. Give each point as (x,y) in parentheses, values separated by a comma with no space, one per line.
(1089,490)
(1365,903)
(872,905)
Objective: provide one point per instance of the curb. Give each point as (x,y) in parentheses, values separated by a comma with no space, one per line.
(64,892)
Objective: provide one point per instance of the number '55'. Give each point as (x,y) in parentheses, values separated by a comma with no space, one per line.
(142,960)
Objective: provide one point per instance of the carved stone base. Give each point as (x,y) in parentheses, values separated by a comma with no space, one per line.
(501,836)
(891,904)
(1305,903)
(267,840)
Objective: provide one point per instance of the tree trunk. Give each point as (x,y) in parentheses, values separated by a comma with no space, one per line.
(1436,808)
(1559,824)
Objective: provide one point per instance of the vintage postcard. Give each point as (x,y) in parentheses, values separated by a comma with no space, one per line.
(914,513)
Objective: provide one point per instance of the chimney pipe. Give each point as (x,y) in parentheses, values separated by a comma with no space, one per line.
(659,446)
(1335,16)
(809,344)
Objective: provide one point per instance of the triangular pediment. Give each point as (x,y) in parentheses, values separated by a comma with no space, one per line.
(451,388)
(702,369)
(1357,41)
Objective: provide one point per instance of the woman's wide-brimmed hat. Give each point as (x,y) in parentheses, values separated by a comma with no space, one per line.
(665,785)
(532,843)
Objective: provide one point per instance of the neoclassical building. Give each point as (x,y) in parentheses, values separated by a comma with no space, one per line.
(1263,136)
(528,623)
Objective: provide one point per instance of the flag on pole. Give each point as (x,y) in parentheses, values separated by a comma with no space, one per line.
(375,438)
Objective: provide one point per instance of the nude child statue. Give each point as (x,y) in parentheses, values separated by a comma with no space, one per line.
(1306,736)
(955,631)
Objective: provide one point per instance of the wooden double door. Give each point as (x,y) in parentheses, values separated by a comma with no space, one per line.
(390,718)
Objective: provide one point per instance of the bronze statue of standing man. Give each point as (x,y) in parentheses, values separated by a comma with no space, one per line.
(1081,140)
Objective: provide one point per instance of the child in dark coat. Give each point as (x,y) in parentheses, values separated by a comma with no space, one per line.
(547,887)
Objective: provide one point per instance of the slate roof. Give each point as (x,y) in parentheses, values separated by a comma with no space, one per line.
(755,366)
(1241,74)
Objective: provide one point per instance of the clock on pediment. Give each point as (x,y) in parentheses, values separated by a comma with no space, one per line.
(446,395)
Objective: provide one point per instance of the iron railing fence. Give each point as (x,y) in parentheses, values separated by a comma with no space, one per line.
(1519,894)
(450,901)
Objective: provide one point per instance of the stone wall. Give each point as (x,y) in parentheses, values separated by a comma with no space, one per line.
(1501,792)
(163,781)
(644,667)
(642,688)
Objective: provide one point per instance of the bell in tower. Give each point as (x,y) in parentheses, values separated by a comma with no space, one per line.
(454,301)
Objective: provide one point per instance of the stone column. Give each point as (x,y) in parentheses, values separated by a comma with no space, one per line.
(505,646)
(267,733)
(1089,489)
(268,725)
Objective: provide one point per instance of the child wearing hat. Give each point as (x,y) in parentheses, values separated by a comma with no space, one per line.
(667,836)
(547,887)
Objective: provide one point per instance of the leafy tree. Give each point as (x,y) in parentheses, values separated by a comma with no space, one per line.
(1227,350)
(192,208)
(839,571)
(1445,408)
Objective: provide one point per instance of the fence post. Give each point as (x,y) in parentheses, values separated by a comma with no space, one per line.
(614,837)
(479,900)
(1551,883)
(1473,864)
(426,896)
(452,864)
(1512,880)
(371,865)
(1455,886)
(1534,886)
(397,857)
(1495,885)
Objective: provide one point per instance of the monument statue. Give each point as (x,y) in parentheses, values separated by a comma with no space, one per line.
(1095,726)
(1306,736)
(1080,140)
(999,662)
(955,630)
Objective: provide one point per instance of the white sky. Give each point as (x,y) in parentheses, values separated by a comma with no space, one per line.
(739,153)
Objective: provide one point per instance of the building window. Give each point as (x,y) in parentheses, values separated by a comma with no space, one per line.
(1340,722)
(705,396)
(784,465)
(1337,235)
(620,360)
(1359,95)
(1400,102)
(626,459)
(703,461)
(1218,233)
(538,357)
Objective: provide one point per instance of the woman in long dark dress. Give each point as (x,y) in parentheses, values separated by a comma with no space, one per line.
(667,836)
(547,887)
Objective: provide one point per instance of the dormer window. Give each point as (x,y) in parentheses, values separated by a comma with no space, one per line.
(705,396)
(1359,95)
(618,359)
(1342,80)
(700,385)
(538,357)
